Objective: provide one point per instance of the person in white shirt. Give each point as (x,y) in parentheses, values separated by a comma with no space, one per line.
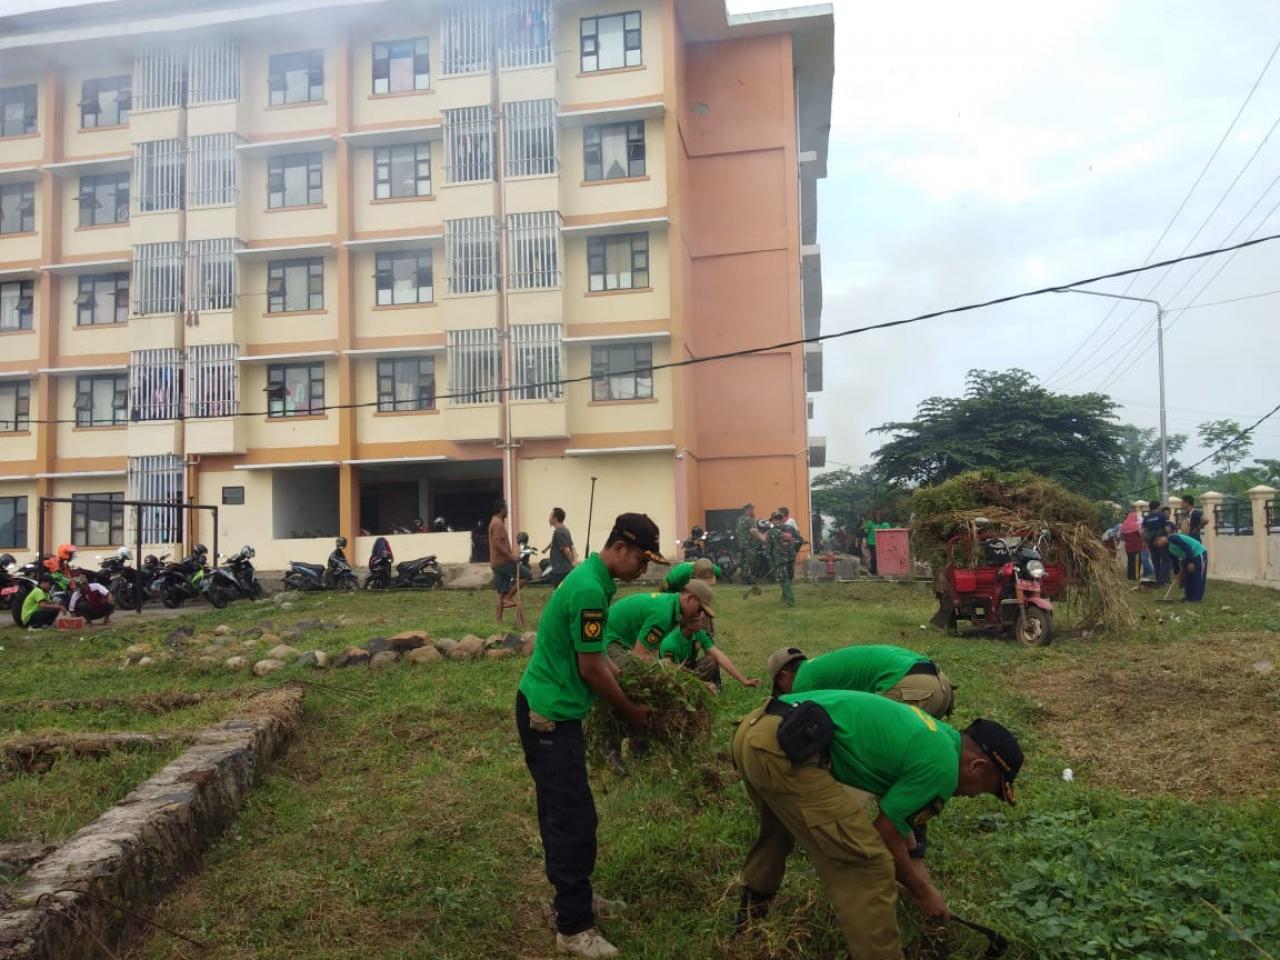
(92,601)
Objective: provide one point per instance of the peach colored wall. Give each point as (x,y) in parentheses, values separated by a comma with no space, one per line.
(741,235)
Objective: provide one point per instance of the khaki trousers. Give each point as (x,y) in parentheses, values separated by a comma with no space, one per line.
(921,690)
(806,805)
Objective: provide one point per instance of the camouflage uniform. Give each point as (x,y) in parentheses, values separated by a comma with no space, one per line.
(748,548)
(781,556)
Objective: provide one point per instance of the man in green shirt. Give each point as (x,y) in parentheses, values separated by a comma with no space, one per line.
(869,532)
(695,650)
(894,672)
(37,609)
(681,573)
(637,623)
(566,673)
(913,762)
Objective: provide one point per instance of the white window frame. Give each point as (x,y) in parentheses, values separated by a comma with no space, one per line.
(471,248)
(474,358)
(537,358)
(533,250)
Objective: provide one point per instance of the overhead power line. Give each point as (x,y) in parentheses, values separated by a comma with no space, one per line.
(1176,213)
(784,344)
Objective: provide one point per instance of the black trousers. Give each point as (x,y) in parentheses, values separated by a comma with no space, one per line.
(42,617)
(566,815)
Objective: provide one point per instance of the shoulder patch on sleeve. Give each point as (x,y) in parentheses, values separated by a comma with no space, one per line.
(654,636)
(925,813)
(592,624)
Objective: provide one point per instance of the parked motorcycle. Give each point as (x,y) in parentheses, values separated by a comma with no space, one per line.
(694,548)
(722,550)
(335,574)
(234,580)
(25,579)
(146,579)
(184,580)
(421,573)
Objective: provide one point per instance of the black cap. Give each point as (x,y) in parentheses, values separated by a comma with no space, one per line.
(1001,748)
(638,530)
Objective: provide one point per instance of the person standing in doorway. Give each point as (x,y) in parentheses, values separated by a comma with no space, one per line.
(502,559)
(561,551)
(566,673)
(869,534)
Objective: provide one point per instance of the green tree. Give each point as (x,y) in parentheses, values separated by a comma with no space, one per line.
(846,495)
(1230,442)
(1006,421)
(1140,462)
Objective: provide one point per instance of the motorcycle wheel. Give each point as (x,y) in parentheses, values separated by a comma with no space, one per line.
(1034,628)
(218,597)
(122,590)
(291,583)
(433,580)
(15,605)
(173,598)
(349,583)
(255,591)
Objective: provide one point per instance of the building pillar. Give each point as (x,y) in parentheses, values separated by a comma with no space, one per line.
(349,503)
(1209,502)
(1259,497)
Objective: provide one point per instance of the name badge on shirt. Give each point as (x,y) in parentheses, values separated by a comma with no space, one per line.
(592,624)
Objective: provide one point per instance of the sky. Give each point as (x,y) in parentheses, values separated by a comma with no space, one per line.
(979,150)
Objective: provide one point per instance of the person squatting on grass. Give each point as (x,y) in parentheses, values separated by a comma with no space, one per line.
(566,673)
(689,646)
(798,752)
(37,609)
(1193,559)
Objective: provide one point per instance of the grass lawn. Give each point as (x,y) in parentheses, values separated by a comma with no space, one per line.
(401,823)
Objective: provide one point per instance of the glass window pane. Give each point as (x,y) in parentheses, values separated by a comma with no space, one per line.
(295,185)
(611,43)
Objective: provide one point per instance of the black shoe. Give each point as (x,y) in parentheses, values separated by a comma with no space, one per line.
(752,906)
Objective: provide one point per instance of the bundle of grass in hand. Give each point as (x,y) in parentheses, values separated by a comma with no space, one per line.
(680,702)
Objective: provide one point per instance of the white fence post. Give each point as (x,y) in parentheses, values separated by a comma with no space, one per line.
(1210,500)
(1259,496)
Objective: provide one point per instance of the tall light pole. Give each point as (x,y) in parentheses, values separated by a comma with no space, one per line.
(1164,429)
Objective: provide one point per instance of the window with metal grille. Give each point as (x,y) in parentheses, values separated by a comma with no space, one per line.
(17,304)
(215,72)
(475,361)
(465,36)
(471,245)
(102,298)
(104,199)
(17,207)
(158,479)
(212,273)
(15,405)
(212,380)
(468,144)
(155,384)
(622,371)
(97,519)
(102,400)
(13,523)
(105,101)
(296,180)
(403,276)
(613,151)
(213,170)
(402,170)
(159,175)
(296,77)
(400,66)
(295,389)
(17,110)
(233,496)
(525,32)
(618,263)
(609,43)
(160,78)
(536,361)
(295,285)
(531,138)
(406,383)
(534,252)
(157,279)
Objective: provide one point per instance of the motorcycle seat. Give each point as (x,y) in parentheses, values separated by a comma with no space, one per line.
(410,566)
(316,568)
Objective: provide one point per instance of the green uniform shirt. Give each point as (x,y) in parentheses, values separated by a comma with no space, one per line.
(679,648)
(897,752)
(679,575)
(644,618)
(873,668)
(1186,548)
(32,603)
(573,622)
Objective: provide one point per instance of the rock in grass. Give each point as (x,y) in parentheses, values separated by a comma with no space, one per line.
(206,664)
(495,640)
(222,630)
(352,657)
(408,640)
(424,655)
(378,645)
(317,659)
(138,649)
(527,643)
(499,653)
(282,651)
(236,663)
(141,662)
(264,667)
(469,648)
(383,660)
(513,642)
(445,645)
(268,639)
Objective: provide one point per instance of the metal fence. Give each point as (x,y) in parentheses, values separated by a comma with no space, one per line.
(157,479)
(466,37)
(155,384)
(536,360)
(474,359)
(215,72)
(526,33)
(157,280)
(531,138)
(468,145)
(159,175)
(160,78)
(211,274)
(471,245)
(213,170)
(212,380)
(1233,518)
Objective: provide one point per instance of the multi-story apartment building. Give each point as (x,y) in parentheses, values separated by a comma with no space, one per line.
(332,265)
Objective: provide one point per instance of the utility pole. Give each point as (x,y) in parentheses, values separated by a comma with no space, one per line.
(1164,427)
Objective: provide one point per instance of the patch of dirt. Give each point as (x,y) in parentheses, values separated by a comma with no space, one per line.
(150,703)
(1193,720)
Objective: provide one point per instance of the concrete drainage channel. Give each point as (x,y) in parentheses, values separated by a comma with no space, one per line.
(65,907)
